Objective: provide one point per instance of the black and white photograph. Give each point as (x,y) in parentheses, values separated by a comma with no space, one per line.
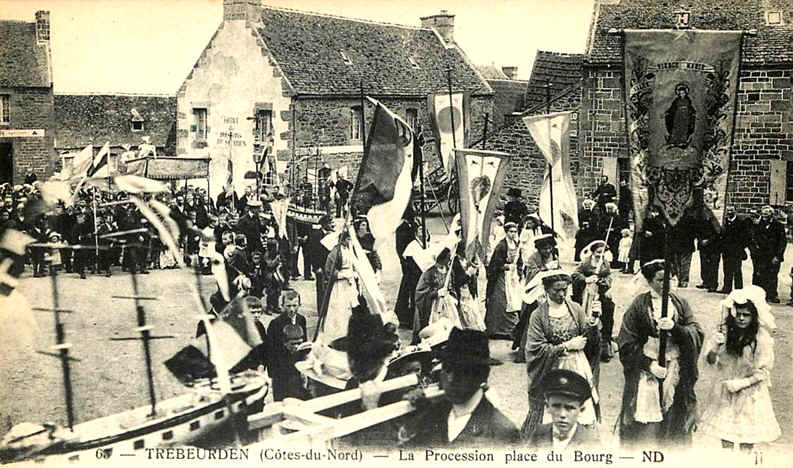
(396,232)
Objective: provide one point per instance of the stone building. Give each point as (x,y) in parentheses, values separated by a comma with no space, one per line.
(298,76)
(122,120)
(762,152)
(27,121)
(509,93)
(527,167)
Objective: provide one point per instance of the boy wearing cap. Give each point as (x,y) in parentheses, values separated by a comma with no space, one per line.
(565,393)
(285,333)
(465,417)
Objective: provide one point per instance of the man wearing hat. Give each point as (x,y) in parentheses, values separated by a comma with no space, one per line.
(767,245)
(565,393)
(429,288)
(515,210)
(464,417)
(343,187)
(250,225)
(605,193)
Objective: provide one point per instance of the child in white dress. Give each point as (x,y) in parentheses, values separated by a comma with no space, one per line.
(739,409)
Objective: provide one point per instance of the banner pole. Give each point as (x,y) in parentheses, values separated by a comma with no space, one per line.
(550,166)
(732,133)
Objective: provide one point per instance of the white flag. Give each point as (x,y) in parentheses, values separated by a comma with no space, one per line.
(551,134)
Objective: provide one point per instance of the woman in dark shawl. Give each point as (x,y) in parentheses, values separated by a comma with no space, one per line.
(503,299)
(559,336)
(646,418)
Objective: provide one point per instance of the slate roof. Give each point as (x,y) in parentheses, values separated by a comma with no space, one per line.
(83,119)
(772,44)
(23,62)
(491,72)
(562,70)
(307,48)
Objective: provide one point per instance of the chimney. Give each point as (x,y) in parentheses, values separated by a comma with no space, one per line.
(511,72)
(442,23)
(242,10)
(43,26)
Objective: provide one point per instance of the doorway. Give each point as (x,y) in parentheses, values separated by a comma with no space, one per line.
(6,163)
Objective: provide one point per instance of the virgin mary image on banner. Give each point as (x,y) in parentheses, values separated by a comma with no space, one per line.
(680,88)
(680,118)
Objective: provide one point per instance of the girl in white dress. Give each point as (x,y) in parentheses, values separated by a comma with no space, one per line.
(739,410)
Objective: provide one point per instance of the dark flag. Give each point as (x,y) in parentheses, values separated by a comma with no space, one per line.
(680,87)
(384,180)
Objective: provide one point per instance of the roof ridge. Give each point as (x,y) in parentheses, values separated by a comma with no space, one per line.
(111,93)
(347,18)
(561,54)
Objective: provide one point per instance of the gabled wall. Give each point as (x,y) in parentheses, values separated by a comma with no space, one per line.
(232,76)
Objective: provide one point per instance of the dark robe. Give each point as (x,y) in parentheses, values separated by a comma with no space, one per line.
(488,427)
(498,319)
(652,247)
(426,293)
(287,381)
(637,327)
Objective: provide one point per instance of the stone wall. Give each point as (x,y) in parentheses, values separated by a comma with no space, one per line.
(232,78)
(763,129)
(324,123)
(31,108)
(527,166)
(763,132)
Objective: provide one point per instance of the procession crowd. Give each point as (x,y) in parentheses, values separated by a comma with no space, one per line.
(560,322)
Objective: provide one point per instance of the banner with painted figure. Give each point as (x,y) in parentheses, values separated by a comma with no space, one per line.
(447,114)
(551,133)
(680,88)
(481,176)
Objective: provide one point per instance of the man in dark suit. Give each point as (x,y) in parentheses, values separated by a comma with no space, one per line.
(565,393)
(605,193)
(515,210)
(319,254)
(768,246)
(735,239)
(464,417)
(285,334)
(251,225)
(708,233)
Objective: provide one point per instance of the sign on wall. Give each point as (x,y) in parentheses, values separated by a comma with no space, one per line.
(22,133)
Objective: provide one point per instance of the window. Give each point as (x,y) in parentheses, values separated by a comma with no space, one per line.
(137,125)
(413,63)
(167,435)
(789,180)
(345,59)
(264,126)
(773,17)
(200,123)
(138,444)
(195,425)
(219,414)
(412,119)
(355,123)
(5,111)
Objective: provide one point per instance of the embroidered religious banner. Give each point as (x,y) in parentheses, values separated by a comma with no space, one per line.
(680,100)
(481,175)
(450,119)
(551,134)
